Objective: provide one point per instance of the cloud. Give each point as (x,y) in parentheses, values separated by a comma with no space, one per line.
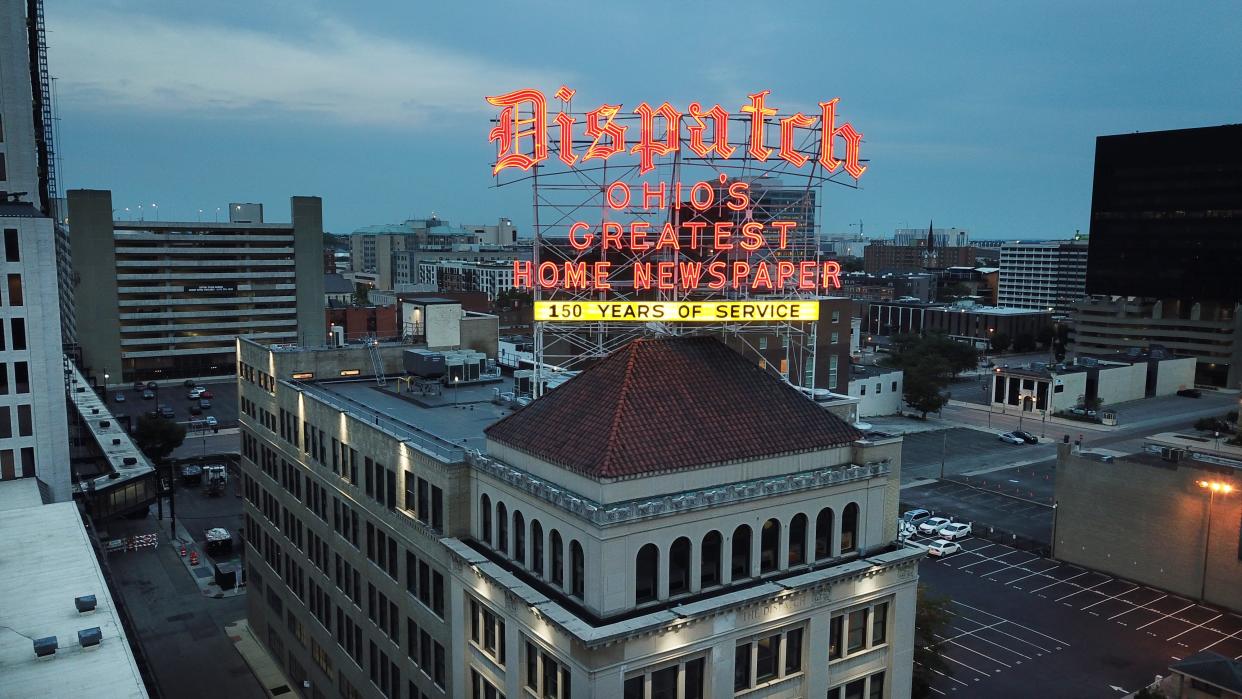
(117,63)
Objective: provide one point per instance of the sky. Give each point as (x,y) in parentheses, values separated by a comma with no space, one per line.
(979,115)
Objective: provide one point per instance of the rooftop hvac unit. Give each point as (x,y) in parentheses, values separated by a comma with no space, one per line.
(129,460)
(116,441)
(94,411)
(91,637)
(44,647)
(85,603)
(103,424)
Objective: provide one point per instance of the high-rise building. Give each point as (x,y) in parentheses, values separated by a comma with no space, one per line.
(621,536)
(33,422)
(166,299)
(371,249)
(1166,247)
(1046,276)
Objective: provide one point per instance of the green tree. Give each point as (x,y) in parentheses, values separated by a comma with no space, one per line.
(362,294)
(852,264)
(1024,342)
(924,385)
(930,617)
(999,341)
(953,292)
(158,437)
(908,350)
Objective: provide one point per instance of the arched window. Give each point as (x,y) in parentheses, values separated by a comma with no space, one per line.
(823,534)
(769,545)
(709,560)
(797,540)
(679,567)
(519,537)
(502,528)
(485,524)
(849,528)
(577,570)
(646,573)
(558,559)
(741,552)
(536,547)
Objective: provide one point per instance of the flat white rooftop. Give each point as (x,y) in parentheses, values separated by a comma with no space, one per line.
(46,560)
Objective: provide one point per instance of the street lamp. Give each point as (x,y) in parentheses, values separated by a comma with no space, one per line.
(455,380)
(105,388)
(1212,488)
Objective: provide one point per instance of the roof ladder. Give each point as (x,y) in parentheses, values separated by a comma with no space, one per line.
(377,362)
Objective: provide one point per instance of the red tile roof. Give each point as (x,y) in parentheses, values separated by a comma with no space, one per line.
(669,404)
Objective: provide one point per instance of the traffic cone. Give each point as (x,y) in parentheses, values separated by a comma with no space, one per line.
(183,550)
(194,558)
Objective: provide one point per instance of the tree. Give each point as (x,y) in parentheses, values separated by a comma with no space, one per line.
(924,384)
(158,437)
(908,350)
(1045,336)
(1024,342)
(930,617)
(852,264)
(953,292)
(362,294)
(999,342)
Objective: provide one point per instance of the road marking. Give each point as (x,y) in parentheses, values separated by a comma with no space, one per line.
(1222,638)
(1137,607)
(1165,616)
(982,655)
(1014,623)
(1007,649)
(996,559)
(1038,572)
(1014,565)
(1113,597)
(1084,589)
(946,656)
(1060,581)
(1170,638)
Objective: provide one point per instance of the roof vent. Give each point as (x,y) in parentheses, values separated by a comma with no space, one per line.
(116,441)
(90,637)
(94,411)
(85,603)
(104,423)
(129,460)
(44,647)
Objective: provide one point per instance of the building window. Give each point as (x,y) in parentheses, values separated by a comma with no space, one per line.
(485,515)
(19,333)
(871,687)
(577,570)
(763,343)
(877,388)
(740,561)
(502,528)
(849,528)
(823,534)
(487,631)
(767,659)
(836,316)
(12,252)
(894,388)
(646,574)
(536,547)
(558,559)
(769,546)
(679,567)
(709,560)
(479,688)
(835,338)
(858,630)
(546,677)
(797,540)
(15,290)
(662,682)
(519,538)
(862,389)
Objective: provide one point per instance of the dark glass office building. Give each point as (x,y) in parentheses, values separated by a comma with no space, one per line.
(1166,215)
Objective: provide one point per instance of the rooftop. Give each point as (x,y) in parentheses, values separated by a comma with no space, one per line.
(47,560)
(668,404)
(1213,668)
(336,284)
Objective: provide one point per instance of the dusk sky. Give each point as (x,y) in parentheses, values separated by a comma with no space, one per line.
(980,115)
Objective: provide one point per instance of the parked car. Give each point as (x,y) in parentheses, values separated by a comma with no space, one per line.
(940,548)
(194,393)
(147,394)
(212,421)
(1026,436)
(933,525)
(1190,393)
(956,530)
(205,393)
(118,398)
(139,385)
(204,404)
(1011,438)
(195,410)
(189,383)
(915,517)
(167,412)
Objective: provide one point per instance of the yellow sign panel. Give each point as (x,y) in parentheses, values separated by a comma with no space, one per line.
(676,311)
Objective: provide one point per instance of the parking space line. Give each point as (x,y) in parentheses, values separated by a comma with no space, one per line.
(1170,638)
(1014,565)
(1136,607)
(1007,649)
(1084,589)
(982,655)
(973,631)
(996,558)
(1058,581)
(1033,574)
(948,657)
(1014,623)
(1222,638)
(1165,616)
(1109,598)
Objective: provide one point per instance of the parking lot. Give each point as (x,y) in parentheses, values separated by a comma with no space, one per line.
(1015,500)
(223,402)
(1012,608)
(962,449)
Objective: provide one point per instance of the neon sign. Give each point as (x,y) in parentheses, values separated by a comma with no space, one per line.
(524,117)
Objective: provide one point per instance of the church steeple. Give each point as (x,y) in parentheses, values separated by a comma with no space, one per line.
(931,238)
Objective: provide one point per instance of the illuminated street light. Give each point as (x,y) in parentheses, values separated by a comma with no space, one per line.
(1212,488)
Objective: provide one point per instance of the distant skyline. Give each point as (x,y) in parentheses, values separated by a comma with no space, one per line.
(980,115)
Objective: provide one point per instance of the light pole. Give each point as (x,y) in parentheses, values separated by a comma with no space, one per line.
(1212,488)
(105,388)
(455,380)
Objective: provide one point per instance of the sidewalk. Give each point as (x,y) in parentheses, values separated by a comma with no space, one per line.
(203,572)
(1052,420)
(262,664)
